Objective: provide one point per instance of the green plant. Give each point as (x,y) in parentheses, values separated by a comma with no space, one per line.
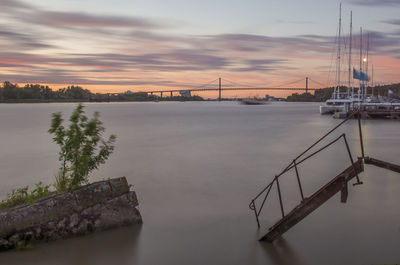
(82,148)
(21,195)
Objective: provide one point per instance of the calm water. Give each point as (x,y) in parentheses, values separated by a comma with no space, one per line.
(195,167)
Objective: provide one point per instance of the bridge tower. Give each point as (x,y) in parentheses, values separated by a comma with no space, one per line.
(219,90)
(306,84)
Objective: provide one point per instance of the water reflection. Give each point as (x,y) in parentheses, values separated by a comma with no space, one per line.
(281,252)
(105,247)
(195,167)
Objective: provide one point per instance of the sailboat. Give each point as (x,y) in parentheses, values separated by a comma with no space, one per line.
(340,101)
(343,103)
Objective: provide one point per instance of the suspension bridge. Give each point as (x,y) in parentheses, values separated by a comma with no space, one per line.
(216,85)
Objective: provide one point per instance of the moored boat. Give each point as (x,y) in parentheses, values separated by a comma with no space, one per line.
(252,101)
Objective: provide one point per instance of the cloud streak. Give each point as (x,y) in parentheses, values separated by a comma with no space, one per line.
(89,49)
(377,3)
(76,19)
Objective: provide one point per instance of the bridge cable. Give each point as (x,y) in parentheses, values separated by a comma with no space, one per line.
(238,84)
(201,86)
(289,83)
(319,83)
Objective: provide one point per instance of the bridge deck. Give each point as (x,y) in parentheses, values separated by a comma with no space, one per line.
(308,205)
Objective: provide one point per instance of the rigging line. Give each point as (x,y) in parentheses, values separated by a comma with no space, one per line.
(201,86)
(333,51)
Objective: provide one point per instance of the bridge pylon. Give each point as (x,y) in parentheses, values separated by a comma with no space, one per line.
(219,90)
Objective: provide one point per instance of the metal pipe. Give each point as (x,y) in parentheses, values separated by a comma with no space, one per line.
(298,180)
(253,207)
(316,152)
(361,136)
(351,159)
(280,197)
(265,198)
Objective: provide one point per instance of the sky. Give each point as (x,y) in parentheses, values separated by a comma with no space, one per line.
(140,45)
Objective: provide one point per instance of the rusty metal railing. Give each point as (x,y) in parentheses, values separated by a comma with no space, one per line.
(265,192)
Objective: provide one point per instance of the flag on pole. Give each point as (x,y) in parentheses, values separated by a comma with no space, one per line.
(360,75)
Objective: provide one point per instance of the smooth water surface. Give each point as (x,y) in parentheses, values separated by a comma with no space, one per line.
(195,168)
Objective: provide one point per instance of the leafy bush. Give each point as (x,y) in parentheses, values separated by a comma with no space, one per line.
(82,148)
(21,195)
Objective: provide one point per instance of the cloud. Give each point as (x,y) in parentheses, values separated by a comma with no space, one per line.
(29,13)
(7,5)
(57,76)
(76,19)
(261,65)
(281,21)
(257,43)
(22,41)
(393,22)
(376,3)
(91,49)
(173,60)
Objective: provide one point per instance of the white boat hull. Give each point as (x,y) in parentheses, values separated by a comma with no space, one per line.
(330,109)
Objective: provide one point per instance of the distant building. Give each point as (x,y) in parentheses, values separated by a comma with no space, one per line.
(185,93)
(272,98)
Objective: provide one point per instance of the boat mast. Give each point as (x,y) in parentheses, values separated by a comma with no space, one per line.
(338,54)
(359,90)
(366,66)
(349,89)
(372,80)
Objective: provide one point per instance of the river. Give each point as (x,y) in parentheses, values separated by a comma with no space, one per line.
(195,167)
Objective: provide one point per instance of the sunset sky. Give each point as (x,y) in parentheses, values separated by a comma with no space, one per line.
(113,46)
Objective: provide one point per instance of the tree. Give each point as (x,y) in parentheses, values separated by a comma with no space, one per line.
(10,91)
(82,148)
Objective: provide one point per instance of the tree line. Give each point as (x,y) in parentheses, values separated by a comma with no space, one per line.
(10,92)
(13,92)
(323,94)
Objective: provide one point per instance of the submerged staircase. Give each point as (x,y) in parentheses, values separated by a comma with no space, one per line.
(311,203)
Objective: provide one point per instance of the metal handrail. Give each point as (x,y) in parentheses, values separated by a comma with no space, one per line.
(295,162)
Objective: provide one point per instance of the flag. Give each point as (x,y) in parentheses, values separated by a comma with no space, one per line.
(360,75)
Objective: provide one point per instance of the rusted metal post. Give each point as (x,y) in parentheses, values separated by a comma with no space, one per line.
(351,159)
(298,180)
(344,191)
(280,197)
(361,136)
(253,207)
(265,198)
(382,164)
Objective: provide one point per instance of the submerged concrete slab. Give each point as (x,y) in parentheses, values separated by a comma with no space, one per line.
(97,206)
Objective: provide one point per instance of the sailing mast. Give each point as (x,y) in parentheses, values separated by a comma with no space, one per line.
(337,89)
(366,66)
(361,87)
(349,89)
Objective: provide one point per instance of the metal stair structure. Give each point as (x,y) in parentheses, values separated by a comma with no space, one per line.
(319,197)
